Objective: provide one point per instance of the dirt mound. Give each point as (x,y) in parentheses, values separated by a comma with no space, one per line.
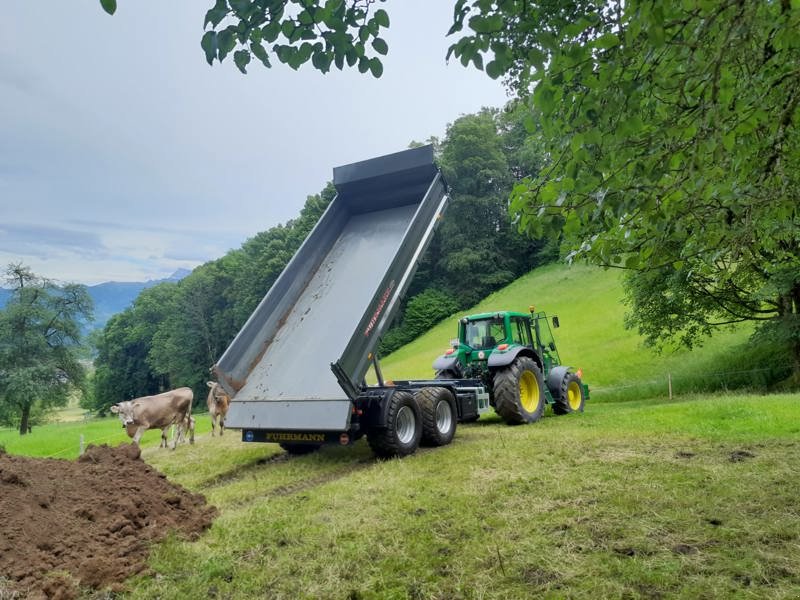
(88,523)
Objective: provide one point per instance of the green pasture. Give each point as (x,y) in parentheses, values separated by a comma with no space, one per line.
(592,336)
(694,498)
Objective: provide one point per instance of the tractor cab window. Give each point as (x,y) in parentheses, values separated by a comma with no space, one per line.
(521,332)
(486,334)
(546,337)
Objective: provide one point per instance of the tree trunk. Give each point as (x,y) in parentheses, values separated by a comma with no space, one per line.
(24,426)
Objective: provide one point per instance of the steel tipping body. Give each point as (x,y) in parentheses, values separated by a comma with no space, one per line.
(300,360)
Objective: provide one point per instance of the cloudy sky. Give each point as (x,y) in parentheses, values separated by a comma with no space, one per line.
(124,156)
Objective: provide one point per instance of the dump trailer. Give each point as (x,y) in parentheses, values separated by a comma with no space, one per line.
(296,370)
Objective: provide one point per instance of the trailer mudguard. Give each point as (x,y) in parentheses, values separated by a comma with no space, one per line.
(377,409)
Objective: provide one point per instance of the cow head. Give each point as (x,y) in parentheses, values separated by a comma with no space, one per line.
(124,410)
(218,393)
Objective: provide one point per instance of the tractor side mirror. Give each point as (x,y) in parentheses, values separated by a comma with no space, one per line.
(555,322)
(552,346)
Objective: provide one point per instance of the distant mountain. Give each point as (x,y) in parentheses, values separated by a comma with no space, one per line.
(112,297)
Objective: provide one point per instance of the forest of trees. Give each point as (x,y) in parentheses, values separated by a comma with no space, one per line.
(175,331)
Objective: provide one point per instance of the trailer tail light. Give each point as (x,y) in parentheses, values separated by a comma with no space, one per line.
(502,347)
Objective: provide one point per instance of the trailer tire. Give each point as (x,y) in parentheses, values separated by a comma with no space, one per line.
(439,415)
(300,449)
(519,392)
(403,430)
(570,397)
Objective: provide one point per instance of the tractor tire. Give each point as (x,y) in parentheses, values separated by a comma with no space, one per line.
(519,392)
(403,430)
(300,449)
(570,397)
(445,374)
(439,416)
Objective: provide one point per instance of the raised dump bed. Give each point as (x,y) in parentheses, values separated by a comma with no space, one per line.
(296,369)
(297,366)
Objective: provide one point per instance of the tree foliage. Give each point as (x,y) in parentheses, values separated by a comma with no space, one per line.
(672,134)
(39,341)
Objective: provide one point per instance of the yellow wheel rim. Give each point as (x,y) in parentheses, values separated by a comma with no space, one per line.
(528,391)
(574,395)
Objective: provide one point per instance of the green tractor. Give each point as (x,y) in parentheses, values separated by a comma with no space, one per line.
(514,356)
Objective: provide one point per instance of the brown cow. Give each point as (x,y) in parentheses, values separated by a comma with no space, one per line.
(158,412)
(218,402)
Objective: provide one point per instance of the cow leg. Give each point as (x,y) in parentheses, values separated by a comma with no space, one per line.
(213,424)
(138,435)
(177,435)
(163,443)
(221,424)
(191,430)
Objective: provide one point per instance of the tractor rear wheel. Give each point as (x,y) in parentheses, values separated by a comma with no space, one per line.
(519,392)
(570,398)
(403,430)
(299,449)
(438,415)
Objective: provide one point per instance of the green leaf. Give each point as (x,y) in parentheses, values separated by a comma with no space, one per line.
(490,24)
(494,69)
(260,53)
(380,46)
(322,61)
(209,45)
(216,14)
(110,6)
(226,41)
(729,140)
(376,67)
(241,58)
(606,41)
(381,17)
(271,32)
(363,65)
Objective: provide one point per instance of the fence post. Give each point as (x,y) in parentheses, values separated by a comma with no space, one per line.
(80,452)
(669,382)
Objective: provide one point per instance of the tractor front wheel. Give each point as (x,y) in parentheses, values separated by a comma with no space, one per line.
(519,392)
(570,397)
(403,430)
(438,415)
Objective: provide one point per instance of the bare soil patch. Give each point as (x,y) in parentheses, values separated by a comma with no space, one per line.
(67,525)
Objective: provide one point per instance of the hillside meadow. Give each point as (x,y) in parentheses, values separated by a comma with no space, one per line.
(638,497)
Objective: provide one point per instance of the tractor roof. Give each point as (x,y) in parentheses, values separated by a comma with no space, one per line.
(496,314)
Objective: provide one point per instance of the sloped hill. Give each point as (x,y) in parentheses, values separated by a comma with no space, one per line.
(589,303)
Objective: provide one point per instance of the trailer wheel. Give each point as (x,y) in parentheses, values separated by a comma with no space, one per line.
(299,449)
(438,415)
(519,392)
(403,430)
(570,398)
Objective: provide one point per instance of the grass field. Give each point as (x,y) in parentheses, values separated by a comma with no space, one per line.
(592,336)
(639,497)
(695,498)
